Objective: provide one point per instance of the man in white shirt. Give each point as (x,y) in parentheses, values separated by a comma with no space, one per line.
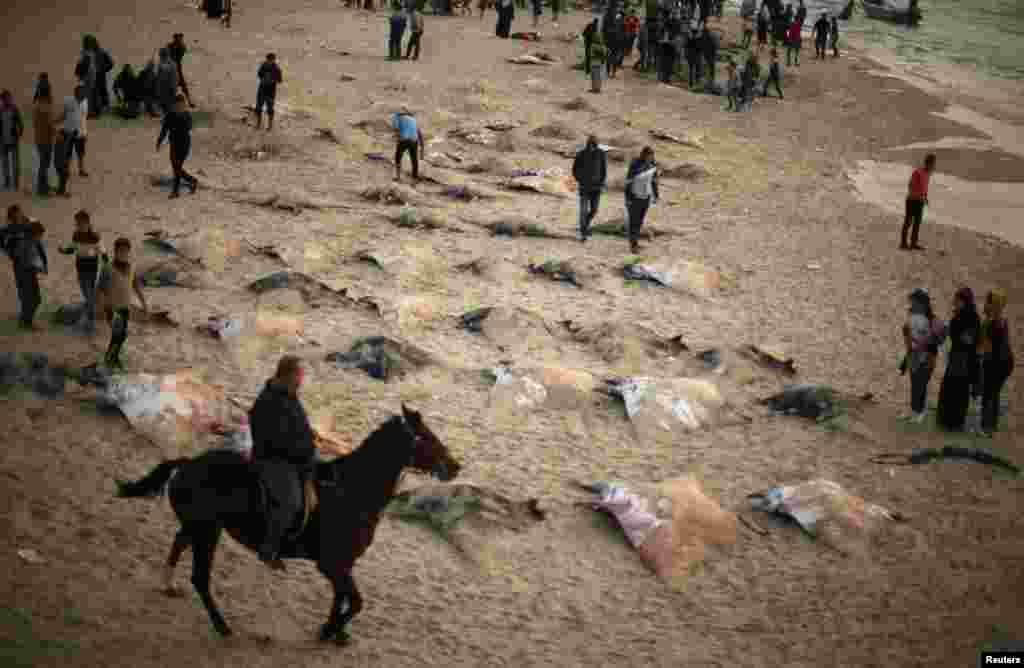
(74,116)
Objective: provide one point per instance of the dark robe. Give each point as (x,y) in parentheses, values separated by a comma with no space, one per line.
(961,369)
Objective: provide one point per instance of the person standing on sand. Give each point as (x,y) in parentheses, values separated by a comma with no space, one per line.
(177,126)
(73,116)
(11,129)
(588,43)
(774,74)
(834,32)
(62,148)
(997,359)
(917,199)
(641,193)
(269,76)
(87,247)
(416,25)
(922,335)
(710,44)
(123,282)
(409,138)
(598,59)
(396,28)
(22,239)
(506,14)
(961,363)
(178,50)
(762,27)
(820,32)
(794,40)
(590,169)
(42,126)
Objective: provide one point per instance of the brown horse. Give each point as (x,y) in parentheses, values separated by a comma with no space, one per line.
(219,491)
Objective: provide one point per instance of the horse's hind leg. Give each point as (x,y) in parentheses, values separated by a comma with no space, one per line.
(204,543)
(181,543)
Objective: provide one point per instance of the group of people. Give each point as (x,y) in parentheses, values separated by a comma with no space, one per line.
(21,239)
(978,362)
(404,17)
(590,170)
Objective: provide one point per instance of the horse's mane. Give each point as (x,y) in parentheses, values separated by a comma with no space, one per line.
(374,452)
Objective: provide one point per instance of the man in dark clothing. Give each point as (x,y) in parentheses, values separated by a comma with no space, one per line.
(588,42)
(22,240)
(127,90)
(801,13)
(284,453)
(667,57)
(11,129)
(835,37)
(178,50)
(641,192)
(269,76)
(146,87)
(709,47)
(396,28)
(178,126)
(820,32)
(590,169)
(693,58)
(774,74)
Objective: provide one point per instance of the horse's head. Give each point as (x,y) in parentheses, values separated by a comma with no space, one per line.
(429,454)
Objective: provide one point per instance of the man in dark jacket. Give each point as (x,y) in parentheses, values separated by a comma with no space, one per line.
(284,453)
(22,239)
(590,169)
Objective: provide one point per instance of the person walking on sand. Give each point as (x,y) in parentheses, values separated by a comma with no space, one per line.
(396,29)
(820,32)
(506,14)
(178,49)
(269,76)
(22,238)
(774,74)
(590,169)
(961,363)
(42,126)
(834,33)
(794,40)
(87,247)
(641,193)
(917,199)
(123,282)
(997,359)
(923,333)
(177,126)
(762,27)
(166,81)
(416,26)
(11,130)
(409,139)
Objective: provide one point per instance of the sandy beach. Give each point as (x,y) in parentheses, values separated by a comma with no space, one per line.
(796,217)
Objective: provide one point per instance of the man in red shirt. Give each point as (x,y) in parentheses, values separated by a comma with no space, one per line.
(917,197)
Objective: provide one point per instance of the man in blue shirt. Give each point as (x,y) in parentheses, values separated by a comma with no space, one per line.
(409,139)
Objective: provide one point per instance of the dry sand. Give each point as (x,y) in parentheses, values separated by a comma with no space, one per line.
(812,270)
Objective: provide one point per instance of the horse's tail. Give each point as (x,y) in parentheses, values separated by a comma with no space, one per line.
(153,484)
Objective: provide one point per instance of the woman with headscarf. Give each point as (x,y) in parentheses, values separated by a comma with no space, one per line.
(922,334)
(997,359)
(961,362)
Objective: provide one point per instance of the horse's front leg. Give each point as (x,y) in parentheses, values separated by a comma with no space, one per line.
(345,594)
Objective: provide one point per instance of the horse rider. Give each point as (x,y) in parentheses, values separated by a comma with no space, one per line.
(284,454)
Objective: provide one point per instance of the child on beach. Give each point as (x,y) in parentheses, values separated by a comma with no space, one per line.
(88,250)
(123,282)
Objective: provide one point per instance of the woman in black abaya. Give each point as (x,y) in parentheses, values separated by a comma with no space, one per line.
(961,364)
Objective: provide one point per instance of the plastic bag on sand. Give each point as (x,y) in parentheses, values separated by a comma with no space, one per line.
(823,508)
(668,404)
(686,275)
(671,525)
